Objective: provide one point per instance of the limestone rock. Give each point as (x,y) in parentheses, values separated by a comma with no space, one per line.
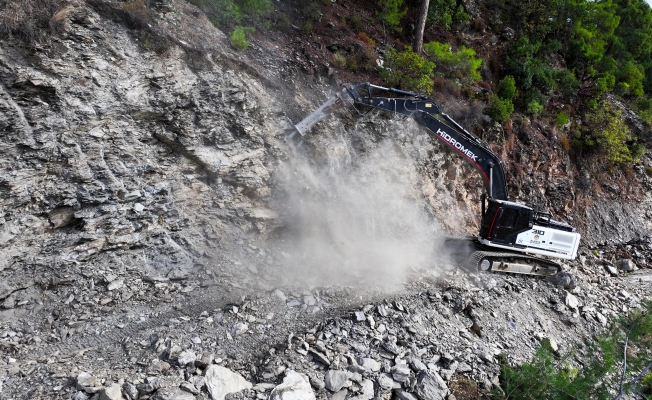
(221,381)
(430,386)
(295,386)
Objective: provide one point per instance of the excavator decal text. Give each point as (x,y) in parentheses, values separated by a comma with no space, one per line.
(457,144)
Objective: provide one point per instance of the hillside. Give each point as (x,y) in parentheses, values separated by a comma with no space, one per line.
(161,238)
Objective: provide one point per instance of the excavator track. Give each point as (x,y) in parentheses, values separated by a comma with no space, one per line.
(515,263)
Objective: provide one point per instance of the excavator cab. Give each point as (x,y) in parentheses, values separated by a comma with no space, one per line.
(513,226)
(504,220)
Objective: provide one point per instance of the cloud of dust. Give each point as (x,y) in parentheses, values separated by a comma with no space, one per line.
(358,220)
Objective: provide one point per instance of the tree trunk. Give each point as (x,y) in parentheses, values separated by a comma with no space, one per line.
(421,27)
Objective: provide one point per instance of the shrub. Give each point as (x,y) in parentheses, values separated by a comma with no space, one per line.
(255,8)
(565,142)
(352,62)
(562,119)
(500,109)
(390,13)
(365,38)
(282,22)
(312,11)
(630,79)
(446,13)
(507,88)
(566,81)
(240,35)
(548,376)
(29,21)
(356,23)
(339,60)
(607,133)
(408,70)
(461,63)
(308,28)
(534,107)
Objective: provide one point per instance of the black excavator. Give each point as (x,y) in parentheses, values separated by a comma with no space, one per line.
(511,235)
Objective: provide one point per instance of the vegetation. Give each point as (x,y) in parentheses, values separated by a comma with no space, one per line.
(391,12)
(30,21)
(500,109)
(604,369)
(607,134)
(408,70)
(447,14)
(231,14)
(461,64)
(239,37)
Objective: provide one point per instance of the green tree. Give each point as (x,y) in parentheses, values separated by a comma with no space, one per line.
(500,109)
(408,70)
(633,37)
(446,13)
(507,88)
(390,12)
(461,64)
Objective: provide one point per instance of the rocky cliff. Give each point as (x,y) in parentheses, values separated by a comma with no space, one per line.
(156,222)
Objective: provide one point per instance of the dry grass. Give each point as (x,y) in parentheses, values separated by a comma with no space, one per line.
(29,20)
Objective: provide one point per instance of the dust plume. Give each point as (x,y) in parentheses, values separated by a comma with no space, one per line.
(356,220)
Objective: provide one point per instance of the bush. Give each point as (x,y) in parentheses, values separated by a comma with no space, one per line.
(607,133)
(240,35)
(356,23)
(408,70)
(365,38)
(391,14)
(29,21)
(548,376)
(308,28)
(500,109)
(534,107)
(312,11)
(339,60)
(446,13)
(562,119)
(459,64)
(282,22)
(507,88)
(255,8)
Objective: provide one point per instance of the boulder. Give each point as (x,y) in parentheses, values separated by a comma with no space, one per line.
(221,381)
(430,386)
(295,386)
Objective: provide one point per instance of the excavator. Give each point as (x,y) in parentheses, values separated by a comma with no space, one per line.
(512,236)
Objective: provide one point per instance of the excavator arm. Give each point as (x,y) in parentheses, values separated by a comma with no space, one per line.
(428,115)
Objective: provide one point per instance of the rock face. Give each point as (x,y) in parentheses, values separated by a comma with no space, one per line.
(143,230)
